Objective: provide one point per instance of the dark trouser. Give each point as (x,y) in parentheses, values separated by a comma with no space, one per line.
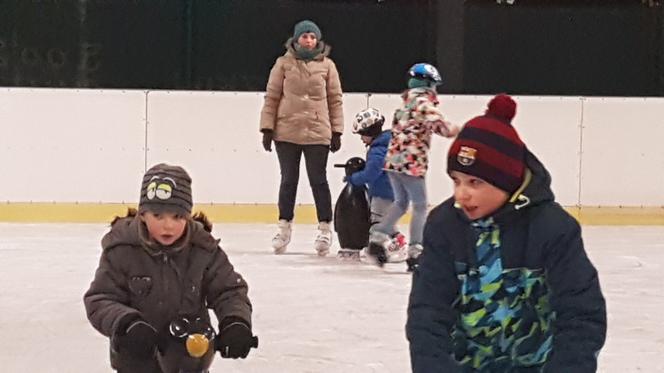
(315,159)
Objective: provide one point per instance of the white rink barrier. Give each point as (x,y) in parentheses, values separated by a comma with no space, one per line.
(92,146)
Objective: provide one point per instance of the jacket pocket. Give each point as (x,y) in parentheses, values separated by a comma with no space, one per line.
(140,286)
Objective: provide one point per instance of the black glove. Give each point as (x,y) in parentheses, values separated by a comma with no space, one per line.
(267,140)
(335,143)
(235,339)
(139,339)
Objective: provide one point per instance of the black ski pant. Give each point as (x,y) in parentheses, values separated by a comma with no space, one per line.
(315,159)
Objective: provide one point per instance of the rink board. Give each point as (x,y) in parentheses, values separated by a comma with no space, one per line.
(73,155)
(71,145)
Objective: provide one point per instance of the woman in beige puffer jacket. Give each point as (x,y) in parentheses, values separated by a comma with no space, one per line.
(303,114)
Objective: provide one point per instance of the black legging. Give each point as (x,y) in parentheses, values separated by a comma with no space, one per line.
(315,159)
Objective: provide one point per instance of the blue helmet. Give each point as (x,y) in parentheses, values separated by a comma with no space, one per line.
(426,72)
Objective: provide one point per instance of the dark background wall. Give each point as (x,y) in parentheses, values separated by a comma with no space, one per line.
(579,47)
(532,47)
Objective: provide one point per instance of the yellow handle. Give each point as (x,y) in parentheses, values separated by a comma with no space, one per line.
(197,345)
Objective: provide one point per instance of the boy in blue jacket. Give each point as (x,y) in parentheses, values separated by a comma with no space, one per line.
(504,283)
(368,124)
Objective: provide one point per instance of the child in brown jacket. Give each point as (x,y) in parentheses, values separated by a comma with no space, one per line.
(159,272)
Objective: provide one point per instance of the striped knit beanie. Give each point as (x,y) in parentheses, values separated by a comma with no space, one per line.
(488,147)
(166,188)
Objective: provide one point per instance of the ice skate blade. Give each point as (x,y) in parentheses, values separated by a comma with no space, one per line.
(279,249)
(349,255)
(397,257)
(322,251)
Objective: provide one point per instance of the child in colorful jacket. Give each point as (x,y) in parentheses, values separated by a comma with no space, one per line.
(407,160)
(504,283)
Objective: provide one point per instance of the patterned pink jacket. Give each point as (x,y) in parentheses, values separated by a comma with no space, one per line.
(412,127)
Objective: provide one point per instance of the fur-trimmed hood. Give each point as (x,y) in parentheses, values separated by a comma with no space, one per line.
(130,230)
(324,49)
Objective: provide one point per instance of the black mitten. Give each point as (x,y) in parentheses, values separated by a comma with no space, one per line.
(139,339)
(267,140)
(335,143)
(235,339)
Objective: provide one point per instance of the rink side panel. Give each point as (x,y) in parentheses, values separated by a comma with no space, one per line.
(79,155)
(68,146)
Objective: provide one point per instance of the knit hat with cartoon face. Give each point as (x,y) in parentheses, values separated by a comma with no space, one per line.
(489,147)
(166,188)
(306,26)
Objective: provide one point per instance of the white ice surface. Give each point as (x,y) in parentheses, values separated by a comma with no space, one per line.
(311,314)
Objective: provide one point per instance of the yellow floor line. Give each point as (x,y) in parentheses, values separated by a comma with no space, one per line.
(266,213)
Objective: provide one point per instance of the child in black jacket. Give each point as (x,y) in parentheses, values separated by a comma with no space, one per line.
(504,283)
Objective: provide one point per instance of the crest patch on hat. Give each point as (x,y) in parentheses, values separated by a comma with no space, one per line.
(466,156)
(160,188)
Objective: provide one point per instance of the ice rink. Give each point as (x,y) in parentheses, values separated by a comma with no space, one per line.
(311,314)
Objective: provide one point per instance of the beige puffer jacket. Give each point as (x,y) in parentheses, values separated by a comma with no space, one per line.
(303,99)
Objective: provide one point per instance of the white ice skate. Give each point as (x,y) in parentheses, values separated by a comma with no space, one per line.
(323,239)
(281,240)
(397,250)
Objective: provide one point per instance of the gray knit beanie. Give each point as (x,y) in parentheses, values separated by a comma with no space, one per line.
(166,188)
(306,26)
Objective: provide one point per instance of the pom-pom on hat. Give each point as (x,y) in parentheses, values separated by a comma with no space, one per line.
(306,26)
(166,188)
(502,107)
(489,147)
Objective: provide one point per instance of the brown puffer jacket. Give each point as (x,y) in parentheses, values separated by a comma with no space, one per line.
(138,276)
(303,99)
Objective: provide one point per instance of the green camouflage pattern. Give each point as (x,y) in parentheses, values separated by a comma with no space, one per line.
(505,320)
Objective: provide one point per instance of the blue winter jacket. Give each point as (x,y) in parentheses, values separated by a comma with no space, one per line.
(373,175)
(556,323)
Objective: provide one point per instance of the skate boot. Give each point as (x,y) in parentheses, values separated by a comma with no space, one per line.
(397,250)
(323,239)
(414,252)
(367,258)
(349,255)
(378,246)
(281,240)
